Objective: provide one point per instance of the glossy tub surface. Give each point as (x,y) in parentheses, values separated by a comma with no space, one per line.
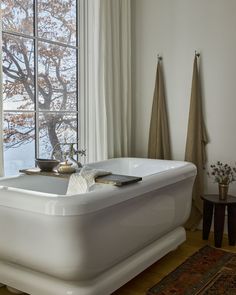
(78,238)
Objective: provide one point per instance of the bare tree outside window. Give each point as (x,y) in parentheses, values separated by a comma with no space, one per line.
(40,66)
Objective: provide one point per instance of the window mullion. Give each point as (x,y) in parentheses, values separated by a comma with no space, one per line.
(39,39)
(81,103)
(36,78)
(78,6)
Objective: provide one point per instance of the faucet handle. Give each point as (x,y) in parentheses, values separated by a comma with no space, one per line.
(82,152)
(73,151)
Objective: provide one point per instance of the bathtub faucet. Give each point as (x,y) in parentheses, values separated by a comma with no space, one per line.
(74,152)
(70,153)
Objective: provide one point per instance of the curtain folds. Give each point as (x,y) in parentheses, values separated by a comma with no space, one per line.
(195,147)
(1,104)
(109,79)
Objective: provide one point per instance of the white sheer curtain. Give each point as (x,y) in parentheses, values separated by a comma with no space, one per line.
(109,79)
(1,101)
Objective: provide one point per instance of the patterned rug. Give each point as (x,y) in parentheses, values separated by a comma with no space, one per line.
(209,271)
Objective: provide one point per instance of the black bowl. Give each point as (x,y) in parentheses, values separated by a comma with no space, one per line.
(47,164)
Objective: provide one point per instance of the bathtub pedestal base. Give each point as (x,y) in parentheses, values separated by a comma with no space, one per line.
(36,283)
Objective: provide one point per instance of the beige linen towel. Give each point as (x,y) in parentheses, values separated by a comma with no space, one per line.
(195,147)
(82,182)
(159,142)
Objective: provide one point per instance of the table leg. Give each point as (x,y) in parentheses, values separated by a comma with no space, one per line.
(219,219)
(232,224)
(207,219)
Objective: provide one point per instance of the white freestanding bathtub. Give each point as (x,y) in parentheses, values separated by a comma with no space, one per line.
(91,244)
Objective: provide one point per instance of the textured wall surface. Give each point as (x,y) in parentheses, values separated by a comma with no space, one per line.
(175,29)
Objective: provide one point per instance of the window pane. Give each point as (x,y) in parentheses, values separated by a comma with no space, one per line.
(56,77)
(56,128)
(18,73)
(19,142)
(57,20)
(17,16)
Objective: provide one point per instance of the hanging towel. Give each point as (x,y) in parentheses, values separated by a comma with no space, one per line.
(81,182)
(195,147)
(159,142)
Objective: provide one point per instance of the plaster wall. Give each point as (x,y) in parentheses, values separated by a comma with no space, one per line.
(175,29)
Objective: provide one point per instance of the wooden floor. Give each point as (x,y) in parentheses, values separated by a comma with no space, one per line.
(140,284)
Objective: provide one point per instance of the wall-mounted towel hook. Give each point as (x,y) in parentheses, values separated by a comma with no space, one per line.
(159,57)
(197,54)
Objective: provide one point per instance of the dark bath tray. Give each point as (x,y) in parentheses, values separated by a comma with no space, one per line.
(117,179)
(114,179)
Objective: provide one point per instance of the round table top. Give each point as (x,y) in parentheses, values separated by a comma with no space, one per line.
(214,198)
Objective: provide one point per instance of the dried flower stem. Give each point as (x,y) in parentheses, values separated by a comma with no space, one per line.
(222,173)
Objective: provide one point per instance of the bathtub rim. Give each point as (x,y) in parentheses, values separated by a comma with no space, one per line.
(65,205)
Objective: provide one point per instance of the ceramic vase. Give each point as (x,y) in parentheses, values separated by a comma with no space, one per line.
(223,191)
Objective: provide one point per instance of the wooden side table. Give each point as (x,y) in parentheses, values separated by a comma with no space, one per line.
(212,203)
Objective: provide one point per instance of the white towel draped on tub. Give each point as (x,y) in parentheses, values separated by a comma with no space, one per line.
(81,182)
